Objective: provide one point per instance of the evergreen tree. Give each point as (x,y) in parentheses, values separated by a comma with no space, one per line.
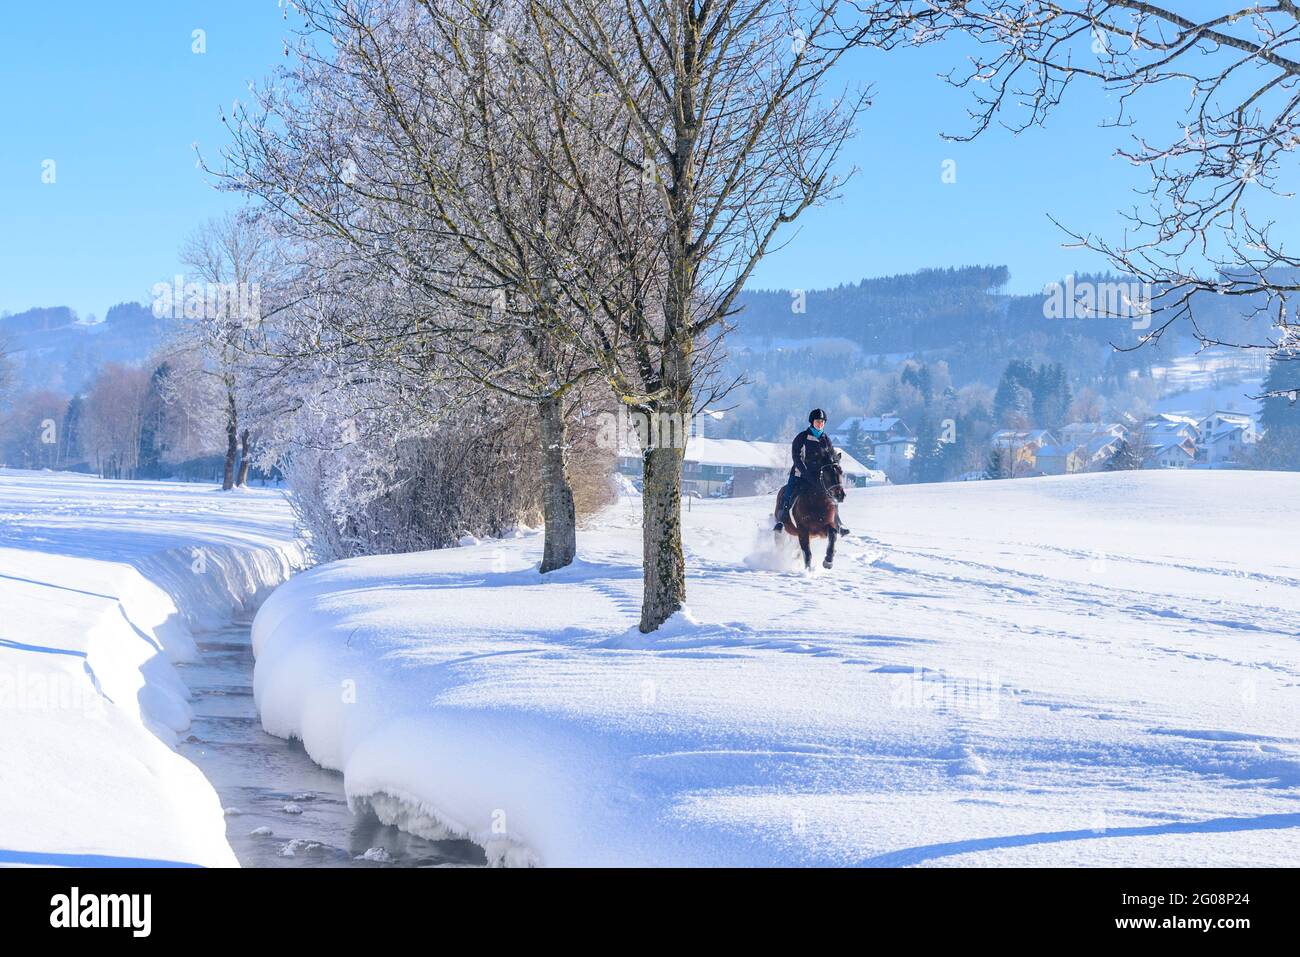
(1279,447)
(855,443)
(71,433)
(995,468)
(928,462)
(1051,396)
(1126,457)
(152,425)
(1014,400)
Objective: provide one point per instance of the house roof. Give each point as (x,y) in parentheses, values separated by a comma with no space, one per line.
(1225,430)
(1009,437)
(1101,443)
(1169,429)
(1171,417)
(1170,446)
(872,423)
(1240,419)
(741,453)
(1229,414)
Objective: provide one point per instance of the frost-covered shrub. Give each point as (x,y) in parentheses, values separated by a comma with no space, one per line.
(425,492)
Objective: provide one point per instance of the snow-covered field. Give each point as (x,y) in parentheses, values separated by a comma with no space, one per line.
(101,585)
(1214,366)
(1092,669)
(1214,380)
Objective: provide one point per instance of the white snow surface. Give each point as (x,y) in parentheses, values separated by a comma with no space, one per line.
(1096,669)
(102,585)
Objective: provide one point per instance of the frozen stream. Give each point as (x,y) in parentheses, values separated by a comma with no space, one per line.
(282,809)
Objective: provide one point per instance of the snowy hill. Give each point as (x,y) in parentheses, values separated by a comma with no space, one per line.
(1083,670)
(51,349)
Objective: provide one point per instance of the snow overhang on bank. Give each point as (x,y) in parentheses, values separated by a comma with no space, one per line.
(103,585)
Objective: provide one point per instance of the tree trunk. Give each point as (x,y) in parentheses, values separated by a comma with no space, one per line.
(244,462)
(663,562)
(232,444)
(557,496)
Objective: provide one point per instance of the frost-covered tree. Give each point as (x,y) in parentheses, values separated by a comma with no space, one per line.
(233,261)
(404,148)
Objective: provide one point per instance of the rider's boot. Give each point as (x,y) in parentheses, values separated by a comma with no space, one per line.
(785,509)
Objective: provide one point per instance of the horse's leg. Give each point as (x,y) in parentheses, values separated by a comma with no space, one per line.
(830,547)
(803,547)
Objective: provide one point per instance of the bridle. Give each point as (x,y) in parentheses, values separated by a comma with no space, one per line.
(830,490)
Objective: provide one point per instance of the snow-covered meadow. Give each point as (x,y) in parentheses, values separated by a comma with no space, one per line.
(101,586)
(1095,669)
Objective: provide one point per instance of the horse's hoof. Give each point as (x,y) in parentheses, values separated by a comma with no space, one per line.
(826,563)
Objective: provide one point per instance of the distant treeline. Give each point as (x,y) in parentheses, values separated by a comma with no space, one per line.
(959,309)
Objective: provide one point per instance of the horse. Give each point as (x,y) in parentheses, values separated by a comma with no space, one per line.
(815,512)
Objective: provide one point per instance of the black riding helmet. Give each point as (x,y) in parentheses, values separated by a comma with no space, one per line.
(816,414)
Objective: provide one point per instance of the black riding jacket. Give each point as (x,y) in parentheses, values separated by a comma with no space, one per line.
(811,453)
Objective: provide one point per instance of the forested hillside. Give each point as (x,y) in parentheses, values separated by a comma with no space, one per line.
(51,348)
(844,348)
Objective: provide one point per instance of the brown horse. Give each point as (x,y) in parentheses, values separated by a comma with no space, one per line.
(815,512)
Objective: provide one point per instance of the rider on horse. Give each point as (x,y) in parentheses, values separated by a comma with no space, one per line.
(811,451)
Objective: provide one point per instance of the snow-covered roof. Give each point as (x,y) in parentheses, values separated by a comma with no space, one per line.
(1010,437)
(1170,418)
(1170,428)
(742,453)
(1170,447)
(1230,414)
(1226,430)
(1237,418)
(1101,443)
(872,423)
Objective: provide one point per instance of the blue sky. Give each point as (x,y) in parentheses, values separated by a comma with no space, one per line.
(116,98)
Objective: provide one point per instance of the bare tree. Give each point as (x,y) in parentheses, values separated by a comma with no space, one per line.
(728,130)
(30,430)
(1236,68)
(112,419)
